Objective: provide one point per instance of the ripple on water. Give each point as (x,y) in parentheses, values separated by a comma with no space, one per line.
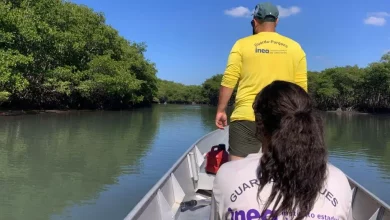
(99,165)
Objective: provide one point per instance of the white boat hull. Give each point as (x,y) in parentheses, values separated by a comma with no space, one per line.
(186,180)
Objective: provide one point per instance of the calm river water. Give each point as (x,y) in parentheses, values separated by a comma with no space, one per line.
(98,165)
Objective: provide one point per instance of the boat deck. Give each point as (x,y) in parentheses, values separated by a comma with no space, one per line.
(200,213)
(196,213)
(187,181)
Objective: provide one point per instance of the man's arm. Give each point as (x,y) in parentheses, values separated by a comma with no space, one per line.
(301,71)
(230,77)
(225,93)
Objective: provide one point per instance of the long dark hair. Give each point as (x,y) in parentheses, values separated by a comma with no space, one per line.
(294,154)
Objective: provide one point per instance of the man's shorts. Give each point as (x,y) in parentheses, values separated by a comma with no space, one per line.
(242,138)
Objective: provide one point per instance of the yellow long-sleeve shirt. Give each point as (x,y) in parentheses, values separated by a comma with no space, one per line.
(258,60)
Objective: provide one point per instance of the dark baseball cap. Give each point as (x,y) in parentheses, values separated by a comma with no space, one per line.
(266,12)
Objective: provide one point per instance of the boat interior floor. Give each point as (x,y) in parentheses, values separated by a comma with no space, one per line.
(199,212)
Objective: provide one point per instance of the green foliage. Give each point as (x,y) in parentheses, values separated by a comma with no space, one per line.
(347,88)
(211,89)
(207,93)
(353,88)
(57,54)
(54,53)
(4,96)
(172,92)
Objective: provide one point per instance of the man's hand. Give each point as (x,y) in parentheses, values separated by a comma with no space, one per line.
(224,95)
(221,120)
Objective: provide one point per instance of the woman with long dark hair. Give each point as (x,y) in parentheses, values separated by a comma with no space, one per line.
(290,178)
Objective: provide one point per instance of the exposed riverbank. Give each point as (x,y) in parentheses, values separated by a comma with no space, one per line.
(351,112)
(366,112)
(18,112)
(4,112)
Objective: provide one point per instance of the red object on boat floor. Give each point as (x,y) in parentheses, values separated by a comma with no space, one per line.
(215,158)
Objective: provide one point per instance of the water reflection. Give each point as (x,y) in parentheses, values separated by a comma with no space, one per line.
(99,165)
(178,127)
(49,162)
(360,145)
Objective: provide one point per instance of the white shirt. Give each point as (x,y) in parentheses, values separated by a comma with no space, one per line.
(236,186)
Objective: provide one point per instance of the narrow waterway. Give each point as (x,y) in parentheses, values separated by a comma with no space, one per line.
(98,165)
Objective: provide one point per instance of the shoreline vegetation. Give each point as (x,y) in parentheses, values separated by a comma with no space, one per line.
(57,56)
(8,112)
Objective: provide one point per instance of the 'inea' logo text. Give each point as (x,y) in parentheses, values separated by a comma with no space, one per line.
(259,50)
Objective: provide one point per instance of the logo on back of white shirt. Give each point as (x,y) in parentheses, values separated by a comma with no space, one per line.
(243,187)
(253,214)
(256,183)
(330,197)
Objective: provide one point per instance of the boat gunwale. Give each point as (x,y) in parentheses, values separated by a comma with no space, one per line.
(150,194)
(377,199)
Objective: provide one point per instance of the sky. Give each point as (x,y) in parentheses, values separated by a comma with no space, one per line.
(189,41)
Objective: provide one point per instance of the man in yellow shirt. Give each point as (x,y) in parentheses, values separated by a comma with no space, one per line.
(254,62)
